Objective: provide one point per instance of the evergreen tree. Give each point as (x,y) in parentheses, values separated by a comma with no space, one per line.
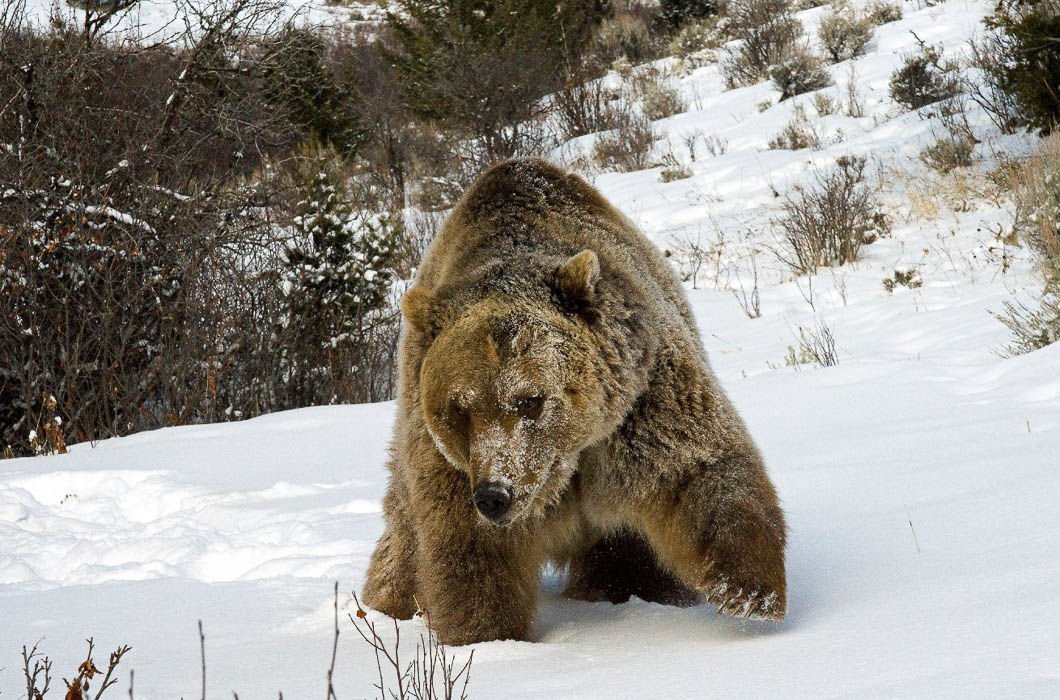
(679,12)
(335,286)
(1028,62)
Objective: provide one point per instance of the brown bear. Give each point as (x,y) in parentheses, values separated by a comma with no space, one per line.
(556,405)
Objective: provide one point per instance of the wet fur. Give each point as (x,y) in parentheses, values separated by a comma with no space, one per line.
(645,482)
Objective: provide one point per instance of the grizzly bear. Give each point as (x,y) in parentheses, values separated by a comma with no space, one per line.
(556,405)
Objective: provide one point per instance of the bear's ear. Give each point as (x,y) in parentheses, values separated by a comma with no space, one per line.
(576,279)
(416,307)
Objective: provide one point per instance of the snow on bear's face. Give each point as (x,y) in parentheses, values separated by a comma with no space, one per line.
(509,397)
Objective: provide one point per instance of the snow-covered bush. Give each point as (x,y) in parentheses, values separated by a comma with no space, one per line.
(844,33)
(909,279)
(884,12)
(798,72)
(826,224)
(335,290)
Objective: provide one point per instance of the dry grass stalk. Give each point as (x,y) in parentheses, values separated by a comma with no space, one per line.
(432,674)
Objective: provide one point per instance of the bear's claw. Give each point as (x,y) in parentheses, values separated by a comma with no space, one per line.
(754,605)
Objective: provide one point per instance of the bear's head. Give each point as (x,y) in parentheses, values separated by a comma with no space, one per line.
(513,387)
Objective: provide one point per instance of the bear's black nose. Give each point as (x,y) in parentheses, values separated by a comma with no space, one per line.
(492,500)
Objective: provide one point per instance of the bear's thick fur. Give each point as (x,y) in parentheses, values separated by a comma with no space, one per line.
(556,404)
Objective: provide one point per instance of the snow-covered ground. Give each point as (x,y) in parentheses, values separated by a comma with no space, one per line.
(921,475)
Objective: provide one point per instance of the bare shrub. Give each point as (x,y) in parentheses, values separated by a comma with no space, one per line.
(628,146)
(826,225)
(716,145)
(798,133)
(1036,189)
(585,107)
(420,228)
(691,253)
(749,300)
(481,75)
(36,672)
(854,102)
(923,79)
(129,186)
(844,33)
(392,146)
(949,152)
(815,346)
(658,97)
(432,674)
(625,36)
(144,210)
(438,168)
(798,72)
(1032,327)
(824,104)
(989,56)
(673,169)
(766,31)
(697,36)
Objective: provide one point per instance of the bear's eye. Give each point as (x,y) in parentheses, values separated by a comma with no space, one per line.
(457,414)
(529,407)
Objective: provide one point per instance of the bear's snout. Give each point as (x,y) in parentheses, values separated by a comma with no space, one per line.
(492,500)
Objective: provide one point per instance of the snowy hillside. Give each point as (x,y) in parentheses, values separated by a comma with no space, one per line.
(920,475)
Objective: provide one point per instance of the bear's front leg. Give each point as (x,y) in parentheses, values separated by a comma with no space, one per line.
(718,525)
(389,586)
(477,581)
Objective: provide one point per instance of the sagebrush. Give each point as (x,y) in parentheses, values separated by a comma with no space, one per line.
(828,223)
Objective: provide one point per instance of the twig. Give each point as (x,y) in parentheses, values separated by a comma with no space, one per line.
(913,529)
(334,647)
(44,665)
(417,679)
(115,659)
(202,655)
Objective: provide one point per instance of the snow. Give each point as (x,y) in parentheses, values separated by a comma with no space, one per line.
(920,475)
(158,20)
